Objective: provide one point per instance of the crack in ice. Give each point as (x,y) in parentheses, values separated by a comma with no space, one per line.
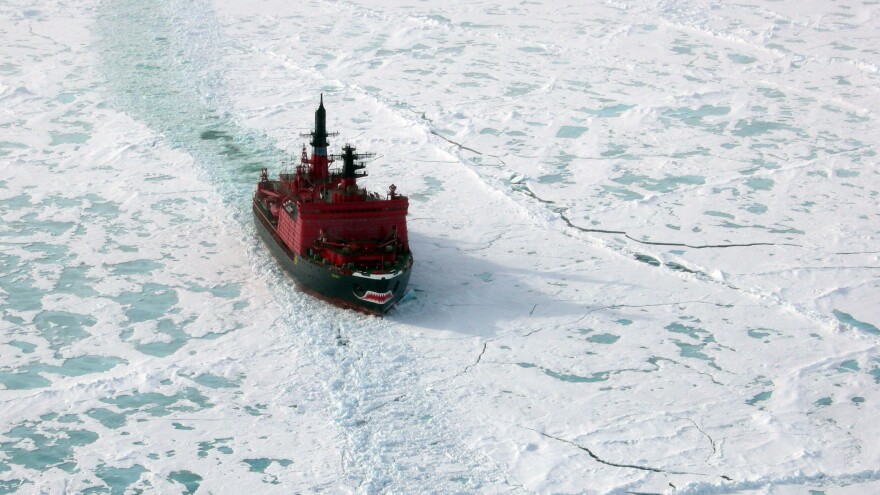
(711,440)
(479,358)
(673,244)
(441,136)
(616,464)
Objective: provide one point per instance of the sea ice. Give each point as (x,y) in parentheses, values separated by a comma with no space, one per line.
(645,237)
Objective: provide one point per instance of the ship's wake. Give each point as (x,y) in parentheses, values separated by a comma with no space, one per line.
(164,65)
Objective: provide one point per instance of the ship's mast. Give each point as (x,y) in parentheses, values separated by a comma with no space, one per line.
(319,160)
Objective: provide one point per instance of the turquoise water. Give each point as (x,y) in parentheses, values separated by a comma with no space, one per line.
(219,444)
(157,404)
(46,447)
(771,92)
(603,338)
(84,365)
(16,202)
(690,349)
(741,59)
(69,138)
(861,325)
(667,184)
(760,184)
(189,480)
(760,397)
(551,179)
(694,351)
(681,47)
(609,111)
(119,479)
(594,377)
(136,267)
(31,375)
(694,117)
(23,379)
(718,214)
(5,146)
(256,409)
(755,127)
(561,163)
(756,208)
(175,333)
(644,258)
(259,465)
(694,332)
(11,486)
(433,186)
(179,92)
(110,419)
(614,150)
(61,328)
(850,365)
(149,304)
(15,279)
(73,280)
(25,347)
(679,267)
(214,381)
(570,131)
(623,193)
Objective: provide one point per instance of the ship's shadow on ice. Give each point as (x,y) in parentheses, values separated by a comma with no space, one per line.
(460,288)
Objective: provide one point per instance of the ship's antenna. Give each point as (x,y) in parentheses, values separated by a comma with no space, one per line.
(319,133)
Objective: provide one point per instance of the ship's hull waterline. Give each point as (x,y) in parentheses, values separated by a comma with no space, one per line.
(362,292)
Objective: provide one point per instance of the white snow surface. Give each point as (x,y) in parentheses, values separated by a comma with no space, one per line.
(645,233)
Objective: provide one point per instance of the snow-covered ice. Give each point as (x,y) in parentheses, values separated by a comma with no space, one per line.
(645,235)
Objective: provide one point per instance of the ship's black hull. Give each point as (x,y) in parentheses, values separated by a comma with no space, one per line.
(327,282)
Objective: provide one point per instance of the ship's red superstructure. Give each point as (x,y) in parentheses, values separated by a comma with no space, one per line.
(321,215)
